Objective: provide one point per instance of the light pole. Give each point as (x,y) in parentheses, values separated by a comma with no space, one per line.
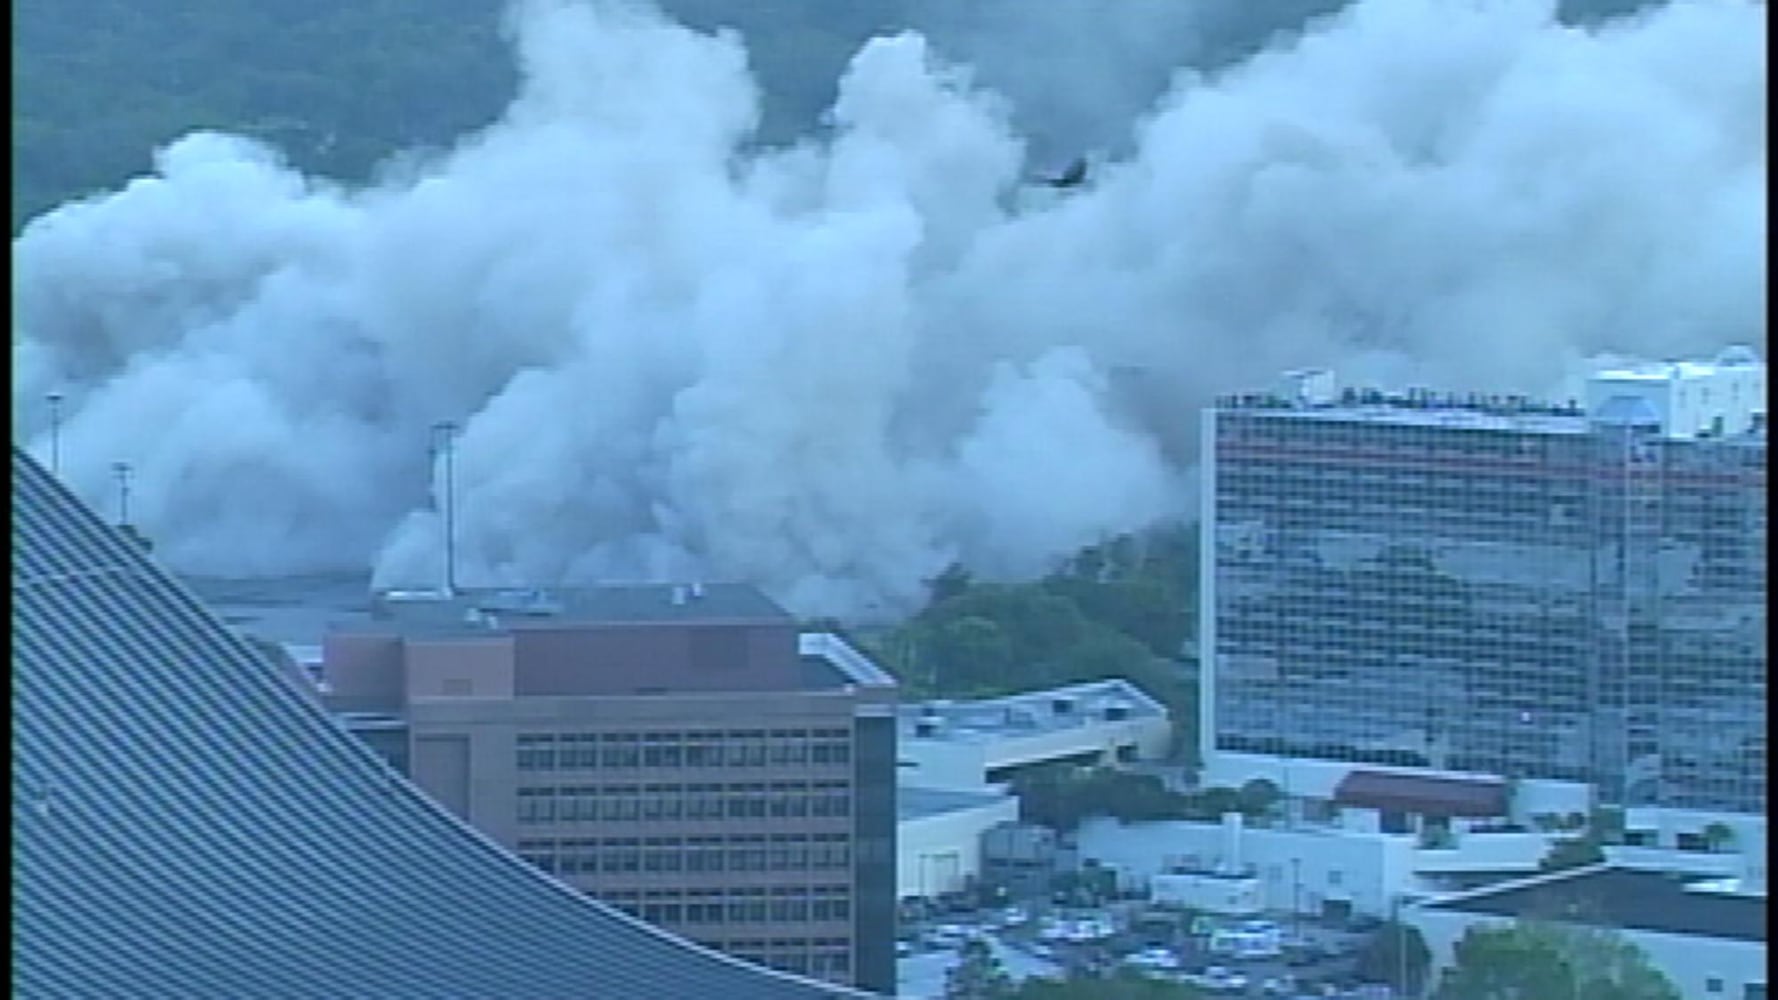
(1296,896)
(55,434)
(122,471)
(1401,945)
(447,430)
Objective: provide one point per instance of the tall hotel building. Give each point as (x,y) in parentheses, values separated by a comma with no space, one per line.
(1495,586)
(682,753)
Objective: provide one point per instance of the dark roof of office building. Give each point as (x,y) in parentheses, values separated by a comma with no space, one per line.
(186,824)
(1424,794)
(1663,902)
(921,803)
(479,611)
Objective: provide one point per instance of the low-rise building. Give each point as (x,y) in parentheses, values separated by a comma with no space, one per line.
(682,753)
(1706,935)
(970,744)
(938,837)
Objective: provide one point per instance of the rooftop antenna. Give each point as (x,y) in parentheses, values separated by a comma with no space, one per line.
(446,431)
(122,471)
(55,434)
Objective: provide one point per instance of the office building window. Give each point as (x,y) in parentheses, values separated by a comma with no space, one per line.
(578,752)
(537,805)
(536,752)
(620,750)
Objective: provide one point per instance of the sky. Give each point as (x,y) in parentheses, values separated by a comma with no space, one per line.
(834,366)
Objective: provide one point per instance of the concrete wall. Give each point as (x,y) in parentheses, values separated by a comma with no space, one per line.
(1668,824)
(460,668)
(936,854)
(645,658)
(363,673)
(963,760)
(1301,868)
(1690,404)
(1209,893)
(1148,735)
(1690,962)
(1485,852)
(941,763)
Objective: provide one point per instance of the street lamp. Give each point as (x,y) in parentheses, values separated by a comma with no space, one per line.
(1296,896)
(122,471)
(55,434)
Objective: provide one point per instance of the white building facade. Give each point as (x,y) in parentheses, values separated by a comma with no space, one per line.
(969,745)
(938,837)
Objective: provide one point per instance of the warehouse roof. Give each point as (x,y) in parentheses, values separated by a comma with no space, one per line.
(1663,902)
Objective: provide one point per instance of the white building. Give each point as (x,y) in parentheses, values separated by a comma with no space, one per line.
(938,836)
(1709,940)
(969,745)
(1693,399)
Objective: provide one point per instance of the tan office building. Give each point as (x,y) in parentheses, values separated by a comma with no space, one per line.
(681,752)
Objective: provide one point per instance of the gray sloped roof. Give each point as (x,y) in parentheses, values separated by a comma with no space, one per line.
(186,824)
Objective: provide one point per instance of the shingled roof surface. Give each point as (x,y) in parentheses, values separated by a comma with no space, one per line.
(186,824)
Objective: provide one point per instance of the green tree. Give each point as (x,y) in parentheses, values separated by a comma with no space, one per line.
(951,583)
(1258,796)
(1212,803)
(1394,951)
(1718,836)
(1540,961)
(969,653)
(1572,852)
(978,975)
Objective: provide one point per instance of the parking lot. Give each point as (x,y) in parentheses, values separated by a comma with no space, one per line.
(1318,960)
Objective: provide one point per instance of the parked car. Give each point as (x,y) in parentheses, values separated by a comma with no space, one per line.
(1154,958)
(1219,979)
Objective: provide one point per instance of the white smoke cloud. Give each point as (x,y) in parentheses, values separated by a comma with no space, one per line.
(835,368)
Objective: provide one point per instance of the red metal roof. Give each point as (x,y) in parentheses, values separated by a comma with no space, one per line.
(1425,795)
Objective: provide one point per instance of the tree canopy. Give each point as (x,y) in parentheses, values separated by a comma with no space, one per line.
(977,975)
(1061,796)
(1122,608)
(1536,961)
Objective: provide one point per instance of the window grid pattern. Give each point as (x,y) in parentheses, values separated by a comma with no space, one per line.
(1582,606)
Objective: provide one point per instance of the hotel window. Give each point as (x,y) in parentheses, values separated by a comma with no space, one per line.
(537,805)
(620,750)
(662,750)
(536,753)
(540,853)
(703,750)
(578,751)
